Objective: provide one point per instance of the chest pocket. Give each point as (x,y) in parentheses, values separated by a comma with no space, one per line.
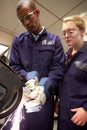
(46,54)
(81,69)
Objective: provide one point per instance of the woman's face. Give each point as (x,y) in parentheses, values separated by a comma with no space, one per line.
(72,34)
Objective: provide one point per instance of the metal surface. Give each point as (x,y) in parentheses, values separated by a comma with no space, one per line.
(10,90)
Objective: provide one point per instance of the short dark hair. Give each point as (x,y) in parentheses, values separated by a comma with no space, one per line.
(30,3)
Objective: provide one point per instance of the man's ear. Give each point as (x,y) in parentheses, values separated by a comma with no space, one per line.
(38,12)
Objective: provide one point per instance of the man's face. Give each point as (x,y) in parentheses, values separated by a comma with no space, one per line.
(29,18)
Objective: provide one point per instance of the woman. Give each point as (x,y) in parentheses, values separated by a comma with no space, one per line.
(73,91)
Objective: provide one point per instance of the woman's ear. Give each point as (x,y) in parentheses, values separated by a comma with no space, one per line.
(83,32)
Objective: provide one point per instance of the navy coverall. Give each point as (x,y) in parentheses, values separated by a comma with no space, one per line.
(73,91)
(46,56)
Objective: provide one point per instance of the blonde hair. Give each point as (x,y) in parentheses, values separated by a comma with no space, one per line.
(84,17)
(79,20)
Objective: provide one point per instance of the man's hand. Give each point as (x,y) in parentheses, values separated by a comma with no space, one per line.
(41,97)
(30,91)
(37,95)
(80,116)
(36,92)
(35,100)
(31,83)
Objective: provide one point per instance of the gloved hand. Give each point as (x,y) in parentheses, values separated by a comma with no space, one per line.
(32,80)
(30,91)
(38,96)
(41,97)
(44,86)
(37,103)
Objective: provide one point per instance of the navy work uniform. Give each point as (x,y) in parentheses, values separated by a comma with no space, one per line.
(44,54)
(73,91)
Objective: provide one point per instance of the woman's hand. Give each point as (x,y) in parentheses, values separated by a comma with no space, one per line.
(80,116)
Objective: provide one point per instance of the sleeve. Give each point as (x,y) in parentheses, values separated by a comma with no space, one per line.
(85,106)
(15,62)
(56,70)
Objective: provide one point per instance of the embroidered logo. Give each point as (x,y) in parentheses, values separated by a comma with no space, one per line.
(46,42)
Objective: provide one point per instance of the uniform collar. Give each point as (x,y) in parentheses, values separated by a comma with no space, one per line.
(21,36)
(83,48)
(43,31)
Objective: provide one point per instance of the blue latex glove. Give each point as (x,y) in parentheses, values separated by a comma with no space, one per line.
(32,75)
(47,84)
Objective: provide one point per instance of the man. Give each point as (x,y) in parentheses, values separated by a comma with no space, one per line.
(40,51)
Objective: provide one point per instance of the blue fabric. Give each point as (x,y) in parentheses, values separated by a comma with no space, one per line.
(46,56)
(47,84)
(73,91)
(32,75)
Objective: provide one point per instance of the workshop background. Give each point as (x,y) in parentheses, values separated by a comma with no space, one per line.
(52,13)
